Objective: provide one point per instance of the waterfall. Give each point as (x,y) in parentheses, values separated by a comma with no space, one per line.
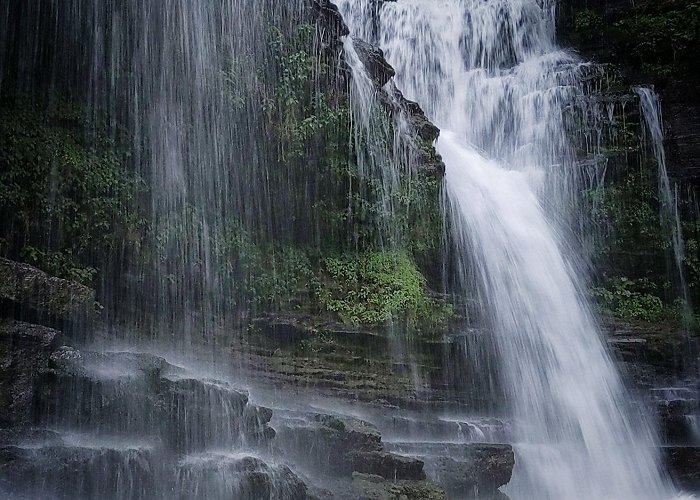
(256,139)
(668,201)
(490,75)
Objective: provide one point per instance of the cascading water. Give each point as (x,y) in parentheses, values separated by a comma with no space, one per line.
(492,78)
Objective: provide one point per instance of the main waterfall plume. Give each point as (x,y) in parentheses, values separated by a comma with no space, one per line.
(493,79)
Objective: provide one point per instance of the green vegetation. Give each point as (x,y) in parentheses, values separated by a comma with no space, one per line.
(367,288)
(378,287)
(661,42)
(632,299)
(342,268)
(587,25)
(627,215)
(658,38)
(337,251)
(633,251)
(65,198)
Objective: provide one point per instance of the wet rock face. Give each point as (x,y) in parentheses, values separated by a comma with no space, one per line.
(421,132)
(25,351)
(142,394)
(610,31)
(244,478)
(683,464)
(483,468)
(131,425)
(91,470)
(681,106)
(58,471)
(28,293)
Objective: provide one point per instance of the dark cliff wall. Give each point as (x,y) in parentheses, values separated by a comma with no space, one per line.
(651,42)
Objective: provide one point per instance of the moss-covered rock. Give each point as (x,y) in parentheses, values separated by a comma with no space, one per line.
(29,290)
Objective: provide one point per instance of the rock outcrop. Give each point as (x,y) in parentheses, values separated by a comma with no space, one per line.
(29,293)
(483,468)
(26,350)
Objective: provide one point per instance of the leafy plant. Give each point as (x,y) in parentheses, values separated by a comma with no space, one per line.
(631,299)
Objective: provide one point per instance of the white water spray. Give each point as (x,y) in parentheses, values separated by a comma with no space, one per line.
(491,77)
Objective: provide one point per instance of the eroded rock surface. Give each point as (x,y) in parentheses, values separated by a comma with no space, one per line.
(25,351)
(29,292)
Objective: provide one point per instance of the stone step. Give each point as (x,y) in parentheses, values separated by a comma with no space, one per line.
(457,429)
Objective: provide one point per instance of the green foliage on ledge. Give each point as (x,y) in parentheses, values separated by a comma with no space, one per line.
(368,288)
(632,299)
(378,287)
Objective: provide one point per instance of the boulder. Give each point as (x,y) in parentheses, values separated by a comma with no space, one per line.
(331,26)
(213,475)
(25,351)
(373,487)
(376,65)
(481,468)
(348,434)
(31,293)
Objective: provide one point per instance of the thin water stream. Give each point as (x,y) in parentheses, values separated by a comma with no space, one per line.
(668,209)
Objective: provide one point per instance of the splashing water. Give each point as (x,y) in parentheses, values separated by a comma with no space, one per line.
(492,78)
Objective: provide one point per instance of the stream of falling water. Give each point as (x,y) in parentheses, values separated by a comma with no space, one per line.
(491,76)
(668,210)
